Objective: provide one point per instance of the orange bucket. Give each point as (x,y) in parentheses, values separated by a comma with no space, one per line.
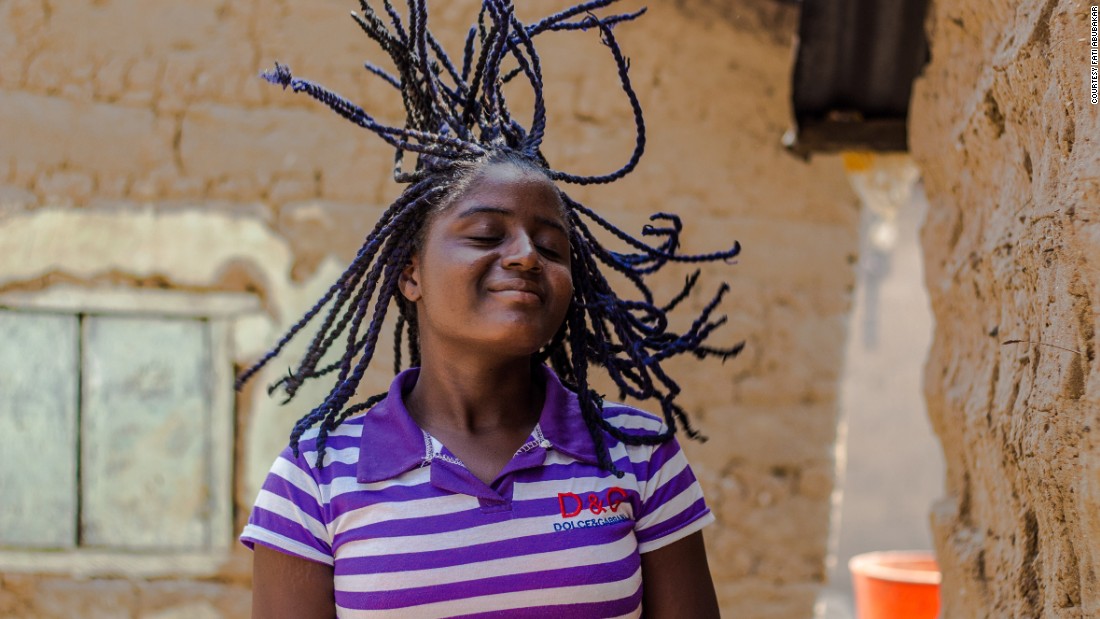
(896,585)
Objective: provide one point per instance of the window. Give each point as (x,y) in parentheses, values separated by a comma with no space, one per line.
(117,408)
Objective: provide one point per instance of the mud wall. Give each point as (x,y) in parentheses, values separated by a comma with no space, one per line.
(1006,137)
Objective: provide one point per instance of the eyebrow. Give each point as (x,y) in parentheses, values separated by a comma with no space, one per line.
(475,210)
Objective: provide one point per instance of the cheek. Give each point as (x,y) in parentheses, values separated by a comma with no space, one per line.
(449,269)
(563,286)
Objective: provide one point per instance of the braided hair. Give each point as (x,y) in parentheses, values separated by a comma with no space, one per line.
(457,123)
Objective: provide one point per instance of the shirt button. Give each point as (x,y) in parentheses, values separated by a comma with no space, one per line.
(545,444)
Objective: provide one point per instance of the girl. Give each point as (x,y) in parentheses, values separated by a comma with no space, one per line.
(490,480)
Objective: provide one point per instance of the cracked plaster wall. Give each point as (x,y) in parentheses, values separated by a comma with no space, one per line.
(1008,143)
(137,128)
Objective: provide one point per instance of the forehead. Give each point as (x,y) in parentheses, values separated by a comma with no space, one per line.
(506,185)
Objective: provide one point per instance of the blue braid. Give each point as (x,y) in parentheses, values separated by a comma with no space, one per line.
(533,69)
(430,143)
(347,386)
(395,19)
(390,79)
(591,21)
(346,284)
(623,65)
(573,11)
(589,401)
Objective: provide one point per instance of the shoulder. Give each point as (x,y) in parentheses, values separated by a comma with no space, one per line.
(654,444)
(633,420)
(348,433)
(656,454)
(341,450)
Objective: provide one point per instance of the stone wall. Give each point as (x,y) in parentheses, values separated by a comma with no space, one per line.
(140,151)
(1007,140)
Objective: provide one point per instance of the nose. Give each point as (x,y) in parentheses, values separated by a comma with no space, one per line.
(522,254)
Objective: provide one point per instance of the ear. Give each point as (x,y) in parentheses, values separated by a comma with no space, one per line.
(409,280)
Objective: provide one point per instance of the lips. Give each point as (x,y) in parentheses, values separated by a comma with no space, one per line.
(517,285)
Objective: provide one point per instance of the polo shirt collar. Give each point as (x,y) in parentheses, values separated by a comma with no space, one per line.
(393,444)
(562,423)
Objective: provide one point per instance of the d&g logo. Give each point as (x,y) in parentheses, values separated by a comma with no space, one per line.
(572,504)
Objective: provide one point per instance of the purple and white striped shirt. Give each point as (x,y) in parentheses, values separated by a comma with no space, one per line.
(412,533)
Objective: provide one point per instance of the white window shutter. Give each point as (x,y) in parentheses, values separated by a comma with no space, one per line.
(145,470)
(38,417)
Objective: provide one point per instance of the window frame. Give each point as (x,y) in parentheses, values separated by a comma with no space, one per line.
(220,310)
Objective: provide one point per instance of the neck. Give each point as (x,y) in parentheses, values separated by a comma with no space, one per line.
(474,395)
